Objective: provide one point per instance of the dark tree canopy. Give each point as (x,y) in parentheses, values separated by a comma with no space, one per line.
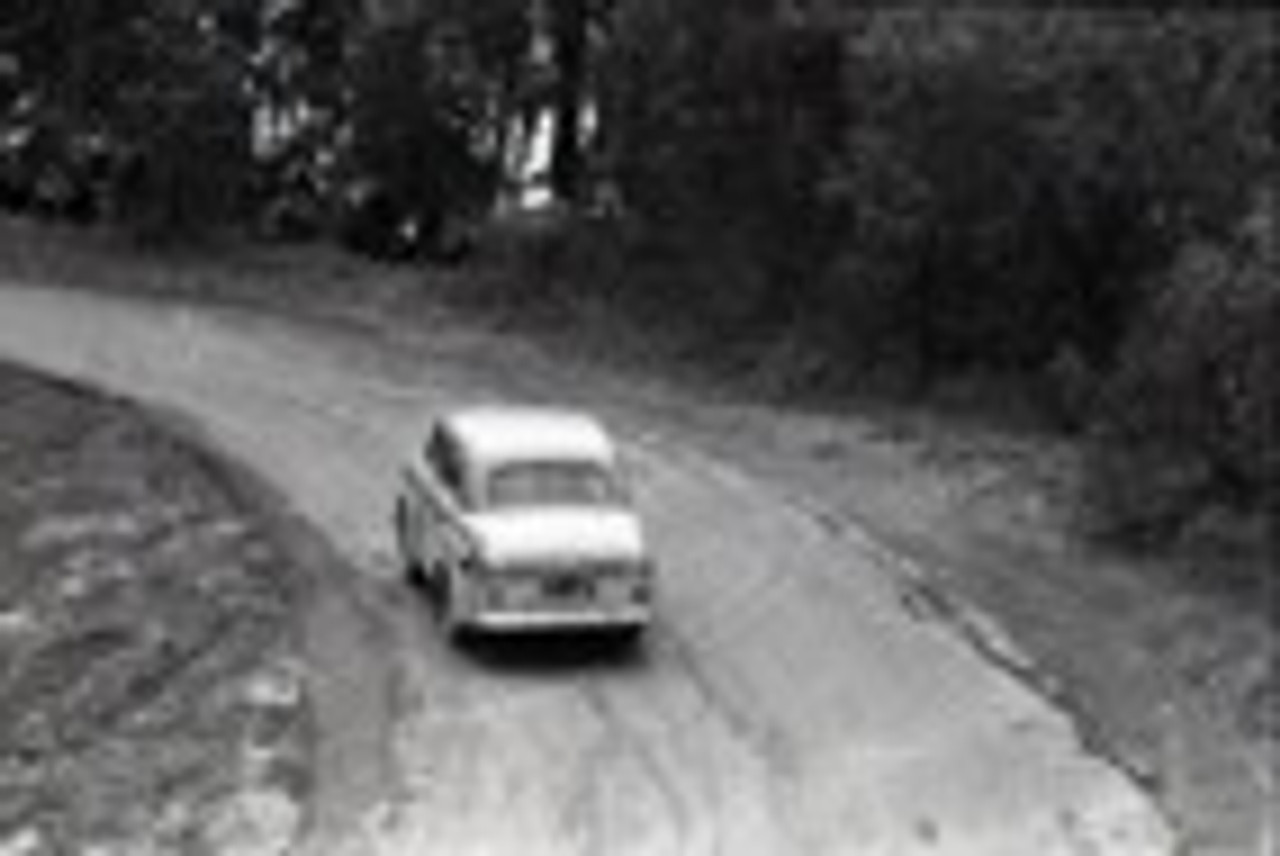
(941,188)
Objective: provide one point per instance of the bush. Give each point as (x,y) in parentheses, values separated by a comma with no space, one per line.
(982,190)
(1192,415)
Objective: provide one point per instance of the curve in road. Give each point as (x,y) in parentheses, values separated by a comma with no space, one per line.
(790,700)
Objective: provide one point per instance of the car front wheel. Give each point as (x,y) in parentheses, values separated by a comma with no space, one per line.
(450,616)
(409,561)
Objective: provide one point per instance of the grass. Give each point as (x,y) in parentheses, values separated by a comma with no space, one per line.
(142,611)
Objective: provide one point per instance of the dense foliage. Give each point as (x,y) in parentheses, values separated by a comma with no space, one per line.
(136,107)
(934,194)
(828,191)
(1190,419)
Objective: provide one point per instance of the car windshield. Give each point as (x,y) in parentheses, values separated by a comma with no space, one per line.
(559,483)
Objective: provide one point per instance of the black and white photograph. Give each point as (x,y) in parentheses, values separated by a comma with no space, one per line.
(639,428)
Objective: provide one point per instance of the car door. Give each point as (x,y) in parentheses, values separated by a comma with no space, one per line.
(440,502)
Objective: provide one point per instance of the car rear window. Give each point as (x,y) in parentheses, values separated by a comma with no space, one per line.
(556,483)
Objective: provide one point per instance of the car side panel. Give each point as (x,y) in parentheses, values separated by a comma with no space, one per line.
(433,528)
(409,519)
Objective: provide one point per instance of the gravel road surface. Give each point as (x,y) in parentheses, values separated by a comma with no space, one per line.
(791,700)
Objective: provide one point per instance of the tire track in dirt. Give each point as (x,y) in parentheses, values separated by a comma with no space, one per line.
(788,702)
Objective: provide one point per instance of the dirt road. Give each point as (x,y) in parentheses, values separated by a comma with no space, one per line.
(791,699)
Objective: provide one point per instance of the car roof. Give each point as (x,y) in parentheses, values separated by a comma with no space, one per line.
(494,434)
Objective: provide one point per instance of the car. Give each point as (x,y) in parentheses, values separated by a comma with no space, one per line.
(521,519)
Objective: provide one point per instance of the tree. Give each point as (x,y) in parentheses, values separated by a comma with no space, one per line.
(420,122)
(721,122)
(181,108)
(568,29)
(159,89)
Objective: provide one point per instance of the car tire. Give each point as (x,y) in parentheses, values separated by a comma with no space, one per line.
(627,640)
(458,631)
(412,568)
(454,629)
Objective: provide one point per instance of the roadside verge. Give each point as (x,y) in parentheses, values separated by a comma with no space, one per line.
(151,690)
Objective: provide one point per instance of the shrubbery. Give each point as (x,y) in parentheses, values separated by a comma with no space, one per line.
(826,192)
(990,192)
(1191,417)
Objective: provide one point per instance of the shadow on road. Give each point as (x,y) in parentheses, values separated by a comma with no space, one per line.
(558,653)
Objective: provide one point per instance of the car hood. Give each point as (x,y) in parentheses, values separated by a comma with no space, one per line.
(556,535)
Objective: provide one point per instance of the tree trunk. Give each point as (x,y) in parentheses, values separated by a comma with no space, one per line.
(569,47)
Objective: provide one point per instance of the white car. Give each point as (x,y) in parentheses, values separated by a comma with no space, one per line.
(521,519)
